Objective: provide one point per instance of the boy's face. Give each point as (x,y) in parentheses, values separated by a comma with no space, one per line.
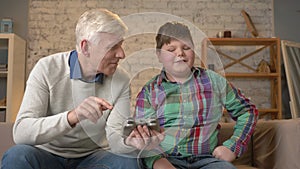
(177,58)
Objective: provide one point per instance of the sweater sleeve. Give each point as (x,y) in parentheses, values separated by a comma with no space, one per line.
(115,121)
(119,114)
(33,125)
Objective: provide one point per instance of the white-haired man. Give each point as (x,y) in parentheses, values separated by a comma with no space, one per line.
(64,119)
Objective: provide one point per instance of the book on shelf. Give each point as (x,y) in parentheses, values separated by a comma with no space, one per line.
(2,115)
(3,67)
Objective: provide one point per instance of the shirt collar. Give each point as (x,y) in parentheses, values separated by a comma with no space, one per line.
(163,75)
(75,70)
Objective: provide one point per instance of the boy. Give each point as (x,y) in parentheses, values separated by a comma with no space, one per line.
(188,102)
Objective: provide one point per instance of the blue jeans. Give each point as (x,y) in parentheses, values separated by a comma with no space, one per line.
(199,162)
(30,157)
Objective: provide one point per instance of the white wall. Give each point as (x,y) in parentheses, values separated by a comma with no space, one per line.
(287,19)
(287,27)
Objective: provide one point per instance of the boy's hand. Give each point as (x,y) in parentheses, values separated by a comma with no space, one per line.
(162,163)
(142,137)
(223,153)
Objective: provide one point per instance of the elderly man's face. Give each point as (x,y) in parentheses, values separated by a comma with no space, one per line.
(105,54)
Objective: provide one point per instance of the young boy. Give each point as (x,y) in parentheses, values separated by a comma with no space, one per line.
(188,103)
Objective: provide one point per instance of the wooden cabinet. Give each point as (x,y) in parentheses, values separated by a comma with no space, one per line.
(12,75)
(272,45)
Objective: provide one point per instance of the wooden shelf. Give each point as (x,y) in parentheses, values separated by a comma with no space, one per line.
(272,44)
(15,74)
(268,110)
(252,75)
(243,41)
(3,73)
(272,112)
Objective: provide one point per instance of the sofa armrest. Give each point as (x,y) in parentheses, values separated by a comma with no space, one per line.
(6,137)
(276,144)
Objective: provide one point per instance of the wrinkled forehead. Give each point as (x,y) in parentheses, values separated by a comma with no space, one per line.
(107,39)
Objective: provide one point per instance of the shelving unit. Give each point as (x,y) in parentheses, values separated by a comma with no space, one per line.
(273,45)
(12,79)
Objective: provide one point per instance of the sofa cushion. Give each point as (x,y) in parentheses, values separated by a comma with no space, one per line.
(244,167)
(6,137)
(276,144)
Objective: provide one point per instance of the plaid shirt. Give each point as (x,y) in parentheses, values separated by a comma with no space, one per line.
(190,113)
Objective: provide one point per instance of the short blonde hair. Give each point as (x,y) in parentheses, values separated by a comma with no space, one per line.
(96,21)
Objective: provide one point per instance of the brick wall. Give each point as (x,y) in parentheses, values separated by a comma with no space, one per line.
(51,26)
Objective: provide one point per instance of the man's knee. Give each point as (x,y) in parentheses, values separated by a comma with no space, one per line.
(129,161)
(19,154)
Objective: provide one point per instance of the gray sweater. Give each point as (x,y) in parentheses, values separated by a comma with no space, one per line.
(50,94)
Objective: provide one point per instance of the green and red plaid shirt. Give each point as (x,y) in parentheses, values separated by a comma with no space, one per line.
(190,113)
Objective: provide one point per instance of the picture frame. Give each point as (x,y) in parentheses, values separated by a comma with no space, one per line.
(250,24)
(291,60)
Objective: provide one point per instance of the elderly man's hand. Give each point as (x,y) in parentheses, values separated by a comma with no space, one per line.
(91,108)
